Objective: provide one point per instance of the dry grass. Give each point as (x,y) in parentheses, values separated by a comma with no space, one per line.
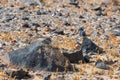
(63,42)
(7,36)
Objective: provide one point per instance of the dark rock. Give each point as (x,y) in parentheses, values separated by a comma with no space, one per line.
(58,13)
(66,23)
(96,7)
(88,46)
(25,18)
(58,31)
(38,56)
(75,3)
(22,7)
(34,4)
(41,12)
(34,24)
(99,13)
(9,17)
(74,57)
(106,37)
(46,24)
(86,59)
(81,32)
(19,74)
(25,25)
(29,25)
(81,17)
(100,64)
(2,65)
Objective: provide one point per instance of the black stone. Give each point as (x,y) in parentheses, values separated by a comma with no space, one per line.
(34,24)
(22,8)
(81,32)
(2,65)
(96,7)
(81,17)
(74,57)
(100,64)
(25,18)
(58,31)
(46,24)
(41,12)
(58,13)
(88,46)
(75,3)
(34,4)
(29,25)
(9,17)
(38,56)
(86,59)
(99,13)
(66,23)
(26,25)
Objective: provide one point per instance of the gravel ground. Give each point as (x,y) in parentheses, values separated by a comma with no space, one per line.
(25,21)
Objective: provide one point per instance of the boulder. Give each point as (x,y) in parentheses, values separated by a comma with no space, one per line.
(38,56)
(74,57)
(89,46)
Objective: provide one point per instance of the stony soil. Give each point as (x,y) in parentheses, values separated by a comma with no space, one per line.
(21,23)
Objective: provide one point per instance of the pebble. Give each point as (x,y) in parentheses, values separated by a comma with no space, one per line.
(58,31)
(106,37)
(101,65)
(81,17)
(2,65)
(25,18)
(58,13)
(99,13)
(96,7)
(22,8)
(41,12)
(66,23)
(81,32)
(34,24)
(25,25)
(9,17)
(86,59)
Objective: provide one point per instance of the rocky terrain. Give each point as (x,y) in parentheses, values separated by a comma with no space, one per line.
(59,40)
